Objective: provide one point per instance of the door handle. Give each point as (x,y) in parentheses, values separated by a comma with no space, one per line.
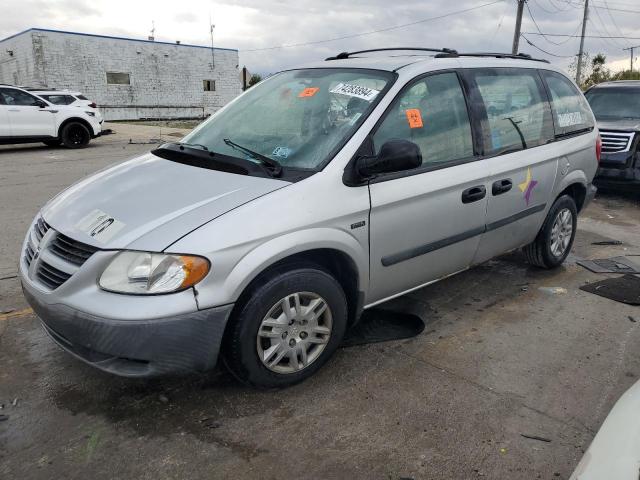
(474,194)
(501,186)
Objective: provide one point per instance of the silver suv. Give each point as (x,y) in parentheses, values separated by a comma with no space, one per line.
(318,193)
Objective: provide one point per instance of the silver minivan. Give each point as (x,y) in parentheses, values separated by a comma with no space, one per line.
(318,193)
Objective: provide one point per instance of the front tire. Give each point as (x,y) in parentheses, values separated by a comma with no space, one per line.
(286,327)
(555,239)
(75,135)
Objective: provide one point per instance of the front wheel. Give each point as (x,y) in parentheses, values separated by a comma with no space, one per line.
(75,135)
(287,326)
(555,239)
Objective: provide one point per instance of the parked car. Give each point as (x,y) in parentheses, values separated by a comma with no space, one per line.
(616,106)
(27,118)
(615,451)
(317,193)
(65,97)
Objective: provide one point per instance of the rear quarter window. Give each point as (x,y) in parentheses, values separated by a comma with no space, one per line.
(518,115)
(571,112)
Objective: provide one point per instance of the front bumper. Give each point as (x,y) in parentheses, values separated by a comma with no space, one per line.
(140,348)
(618,170)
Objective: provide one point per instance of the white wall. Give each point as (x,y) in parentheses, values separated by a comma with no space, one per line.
(166,79)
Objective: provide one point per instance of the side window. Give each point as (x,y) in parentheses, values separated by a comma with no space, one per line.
(571,113)
(517,112)
(16,97)
(432,113)
(59,99)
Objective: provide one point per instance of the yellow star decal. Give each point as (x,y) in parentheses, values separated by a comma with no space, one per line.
(523,186)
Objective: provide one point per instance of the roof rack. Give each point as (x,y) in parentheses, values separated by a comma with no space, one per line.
(345,55)
(519,56)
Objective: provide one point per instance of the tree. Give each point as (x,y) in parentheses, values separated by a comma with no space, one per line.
(255,78)
(594,70)
(626,75)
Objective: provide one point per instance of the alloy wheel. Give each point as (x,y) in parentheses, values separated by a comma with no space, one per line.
(561,232)
(294,332)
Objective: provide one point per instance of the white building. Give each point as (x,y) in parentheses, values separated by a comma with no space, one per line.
(128,78)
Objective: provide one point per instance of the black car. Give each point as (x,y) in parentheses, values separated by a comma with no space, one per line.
(616,106)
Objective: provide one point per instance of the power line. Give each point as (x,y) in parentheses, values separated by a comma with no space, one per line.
(544,51)
(577,36)
(354,35)
(545,36)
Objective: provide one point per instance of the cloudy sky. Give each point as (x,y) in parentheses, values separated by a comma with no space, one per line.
(254,26)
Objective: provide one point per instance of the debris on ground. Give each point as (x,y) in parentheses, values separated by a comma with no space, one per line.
(163,398)
(611,265)
(15,402)
(625,289)
(4,417)
(536,437)
(10,310)
(553,290)
(607,242)
(631,319)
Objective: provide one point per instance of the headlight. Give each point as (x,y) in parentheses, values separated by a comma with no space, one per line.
(145,273)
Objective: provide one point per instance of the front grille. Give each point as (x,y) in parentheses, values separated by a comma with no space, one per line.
(51,276)
(59,256)
(71,250)
(28,255)
(40,228)
(616,142)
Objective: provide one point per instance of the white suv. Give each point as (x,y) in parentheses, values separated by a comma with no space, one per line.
(70,98)
(26,118)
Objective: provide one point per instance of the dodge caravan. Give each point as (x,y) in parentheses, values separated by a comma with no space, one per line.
(318,193)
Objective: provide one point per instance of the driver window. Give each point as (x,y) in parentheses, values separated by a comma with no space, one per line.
(431,113)
(16,97)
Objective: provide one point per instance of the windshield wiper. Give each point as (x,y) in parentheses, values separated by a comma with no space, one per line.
(273,166)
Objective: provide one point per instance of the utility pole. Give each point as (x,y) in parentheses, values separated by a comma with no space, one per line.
(580,52)
(631,50)
(516,33)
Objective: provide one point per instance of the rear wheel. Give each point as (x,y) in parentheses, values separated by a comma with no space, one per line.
(75,135)
(286,327)
(555,239)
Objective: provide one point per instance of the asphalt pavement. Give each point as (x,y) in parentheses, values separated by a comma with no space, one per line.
(502,358)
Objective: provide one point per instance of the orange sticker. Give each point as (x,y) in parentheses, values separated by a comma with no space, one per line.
(414,117)
(308,92)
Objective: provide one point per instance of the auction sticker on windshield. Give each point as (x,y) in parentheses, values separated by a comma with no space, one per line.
(357,91)
(100,225)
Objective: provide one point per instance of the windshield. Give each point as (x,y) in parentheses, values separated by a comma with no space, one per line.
(298,118)
(610,103)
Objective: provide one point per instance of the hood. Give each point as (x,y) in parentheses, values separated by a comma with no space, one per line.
(148,203)
(628,124)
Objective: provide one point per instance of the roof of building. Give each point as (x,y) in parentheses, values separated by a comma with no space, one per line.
(34,29)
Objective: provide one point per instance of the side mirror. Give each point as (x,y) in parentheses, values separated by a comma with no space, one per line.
(395,155)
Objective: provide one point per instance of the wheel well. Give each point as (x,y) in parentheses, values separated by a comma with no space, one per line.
(340,265)
(77,120)
(578,192)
